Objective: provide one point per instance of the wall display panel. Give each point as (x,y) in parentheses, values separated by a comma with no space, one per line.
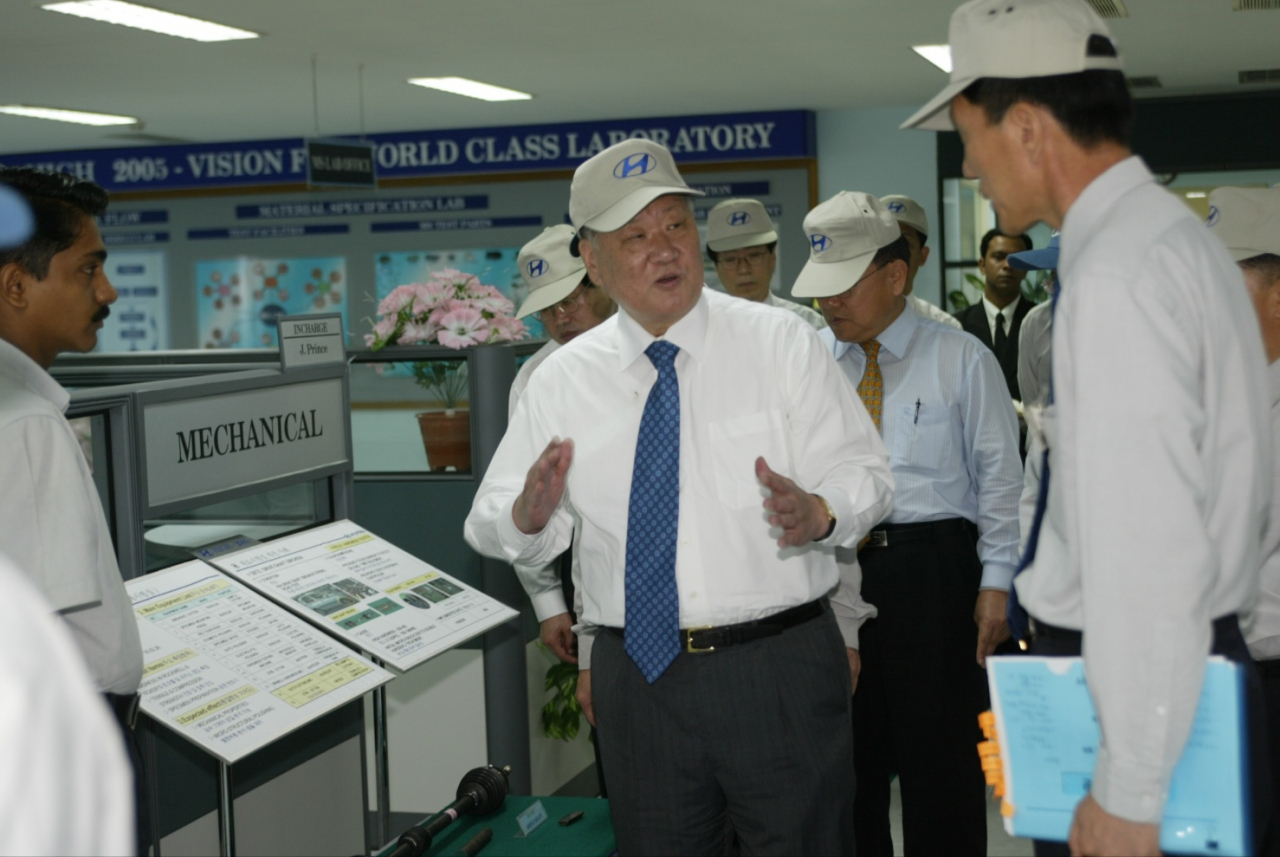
(238,300)
(139,320)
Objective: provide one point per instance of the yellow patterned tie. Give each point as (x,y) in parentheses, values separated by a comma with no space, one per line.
(871,391)
(871,387)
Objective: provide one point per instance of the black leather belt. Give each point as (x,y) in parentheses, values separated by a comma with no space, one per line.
(125,708)
(888,535)
(713,637)
(1222,626)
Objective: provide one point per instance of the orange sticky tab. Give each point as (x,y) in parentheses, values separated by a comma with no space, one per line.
(1000,788)
(1006,809)
(988,748)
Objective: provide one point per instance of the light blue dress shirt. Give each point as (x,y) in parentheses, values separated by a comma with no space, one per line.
(951,431)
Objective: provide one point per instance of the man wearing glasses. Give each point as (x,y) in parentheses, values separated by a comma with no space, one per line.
(743,246)
(937,570)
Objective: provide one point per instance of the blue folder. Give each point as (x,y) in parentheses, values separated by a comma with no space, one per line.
(1048,735)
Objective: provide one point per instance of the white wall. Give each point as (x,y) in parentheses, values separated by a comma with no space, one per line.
(864,150)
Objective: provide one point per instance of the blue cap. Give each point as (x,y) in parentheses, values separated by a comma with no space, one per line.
(1044,259)
(16,222)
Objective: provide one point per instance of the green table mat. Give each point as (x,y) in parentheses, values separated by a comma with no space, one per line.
(590,836)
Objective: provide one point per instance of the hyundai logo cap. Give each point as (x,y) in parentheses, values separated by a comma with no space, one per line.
(907,211)
(614,186)
(1041,259)
(844,234)
(16,221)
(1246,219)
(1015,39)
(738,223)
(549,271)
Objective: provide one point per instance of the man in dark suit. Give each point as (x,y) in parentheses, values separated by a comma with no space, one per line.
(997,318)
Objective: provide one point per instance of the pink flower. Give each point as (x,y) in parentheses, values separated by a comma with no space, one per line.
(495,303)
(432,295)
(508,329)
(415,333)
(399,298)
(462,327)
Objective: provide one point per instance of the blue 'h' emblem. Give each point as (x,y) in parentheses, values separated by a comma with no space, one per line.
(635,165)
(1213,216)
(819,242)
(536,268)
(896,207)
(739,218)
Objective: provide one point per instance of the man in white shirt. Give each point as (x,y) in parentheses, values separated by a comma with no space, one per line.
(707,512)
(1247,220)
(914,223)
(1147,547)
(568,304)
(743,245)
(54,296)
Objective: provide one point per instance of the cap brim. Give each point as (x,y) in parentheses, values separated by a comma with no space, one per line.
(620,213)
(936,115)
(550,294)
(1239,254)
(1035,260)
(737,242)
(16,222)
(825,279)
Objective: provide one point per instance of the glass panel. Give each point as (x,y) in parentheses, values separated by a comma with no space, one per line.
(398,405)
(967,216)
(93,434)
(170,539)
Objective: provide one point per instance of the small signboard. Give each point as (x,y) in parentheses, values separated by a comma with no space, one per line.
(348,163)
(309,340)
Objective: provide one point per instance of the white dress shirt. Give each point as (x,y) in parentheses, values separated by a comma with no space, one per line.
(753,382)
(951,431)
(53,527)
(1262,630)
(66,784)
(1035,367)
(1160,470)
(522,377)
(926,309)
(809,314)
(994,312)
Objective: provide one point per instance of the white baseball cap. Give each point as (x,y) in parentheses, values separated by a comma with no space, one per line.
(1247,220)
(549,271)
(907,211)
(844,234)
(16,220)
(615,185)
(738,223)
(1017,39)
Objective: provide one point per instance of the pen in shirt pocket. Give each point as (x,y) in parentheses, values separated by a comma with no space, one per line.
(916,421)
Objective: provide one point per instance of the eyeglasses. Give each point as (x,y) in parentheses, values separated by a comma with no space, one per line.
(754,258)
(849,290)
(567,306)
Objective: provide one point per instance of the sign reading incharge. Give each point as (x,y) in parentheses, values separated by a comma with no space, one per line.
(307,340)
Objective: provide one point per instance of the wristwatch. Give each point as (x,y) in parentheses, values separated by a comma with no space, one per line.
(831,518)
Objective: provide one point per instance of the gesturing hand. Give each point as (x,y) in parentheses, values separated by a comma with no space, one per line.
(800,514)
(543,487)
(557,635)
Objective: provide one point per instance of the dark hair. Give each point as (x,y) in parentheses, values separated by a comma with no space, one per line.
(993,234)
(899,251)
(1092,106)
(1267,263)
(924,239)
(715,257)
(60,203)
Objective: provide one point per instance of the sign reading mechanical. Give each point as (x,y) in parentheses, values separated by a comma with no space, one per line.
(412,154)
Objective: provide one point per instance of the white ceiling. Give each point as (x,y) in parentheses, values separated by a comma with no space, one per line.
(582,59)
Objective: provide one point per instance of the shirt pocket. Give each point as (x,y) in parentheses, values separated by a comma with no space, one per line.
(922,438)
(735,446)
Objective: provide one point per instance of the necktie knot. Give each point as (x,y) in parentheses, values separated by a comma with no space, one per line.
(872,349)
(662,354)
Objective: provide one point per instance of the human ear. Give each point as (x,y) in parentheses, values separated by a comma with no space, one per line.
(13,285)
(924,255)
(898,276)
(1026,126)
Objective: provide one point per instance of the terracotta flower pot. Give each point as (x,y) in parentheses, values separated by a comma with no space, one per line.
(447,438)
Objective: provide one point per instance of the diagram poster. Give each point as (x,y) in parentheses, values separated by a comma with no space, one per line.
(238,300)
(495,267)
(139,320)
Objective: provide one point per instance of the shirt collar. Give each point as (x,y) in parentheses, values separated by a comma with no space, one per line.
(688,334)
(1007,312)
(22,370)
(895,338)
(1094,202)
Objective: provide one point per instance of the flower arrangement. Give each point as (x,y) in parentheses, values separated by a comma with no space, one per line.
(453,309)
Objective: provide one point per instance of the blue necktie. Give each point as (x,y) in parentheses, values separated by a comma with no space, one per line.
(1019,623)
(653,605)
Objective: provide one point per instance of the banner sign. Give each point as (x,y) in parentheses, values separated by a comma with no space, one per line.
(340,162)
(728,190)
(269,231)
(361,207)
(454,225)
(415,154)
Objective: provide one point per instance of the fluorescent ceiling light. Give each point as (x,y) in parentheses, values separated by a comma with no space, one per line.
(1196,194)
(471,88)
(80,117)
(154,20)
(939,55)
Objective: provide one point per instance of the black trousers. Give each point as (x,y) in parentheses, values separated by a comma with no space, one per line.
(920,693)
(751,740)
(141,801)
(1270,673)
(1228,642)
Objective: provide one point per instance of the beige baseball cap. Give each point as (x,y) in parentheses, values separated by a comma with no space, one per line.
(907,211)
(844,234)
(549,271)
(1017,39)
(615,185)
(738,223)
(1246,219)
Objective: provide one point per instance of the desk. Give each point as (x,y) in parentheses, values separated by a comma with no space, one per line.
(591,836)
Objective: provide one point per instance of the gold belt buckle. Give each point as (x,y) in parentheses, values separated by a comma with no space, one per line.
(879,539)
(689,632)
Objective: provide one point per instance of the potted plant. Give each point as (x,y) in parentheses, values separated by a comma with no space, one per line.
(456,310)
